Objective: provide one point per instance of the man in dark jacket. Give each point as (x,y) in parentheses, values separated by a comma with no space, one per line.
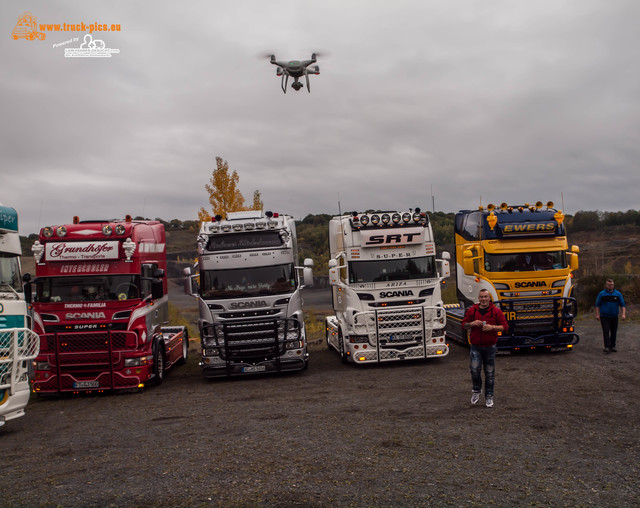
(484,320)
(608,305)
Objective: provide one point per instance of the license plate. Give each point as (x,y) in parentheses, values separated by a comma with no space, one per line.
(255,368)
(86,384)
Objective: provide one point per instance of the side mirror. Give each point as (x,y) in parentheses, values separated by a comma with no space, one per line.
(307,272)
(28,291)
(467,262)
(157,289)
(573,257)
(445,268)
(333,272)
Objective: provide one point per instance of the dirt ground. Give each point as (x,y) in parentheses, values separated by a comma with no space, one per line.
(564,432)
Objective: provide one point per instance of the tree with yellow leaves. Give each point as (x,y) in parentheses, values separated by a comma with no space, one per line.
(224,195)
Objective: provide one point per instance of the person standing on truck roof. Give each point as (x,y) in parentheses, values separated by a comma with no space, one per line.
(483,320)
(608,305)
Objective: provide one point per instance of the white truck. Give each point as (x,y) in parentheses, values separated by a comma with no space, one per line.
(18,344)
(385,287)
(248,291)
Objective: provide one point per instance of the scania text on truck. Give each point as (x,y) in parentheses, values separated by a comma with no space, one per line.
(18,344)
(248,292)
(100,306)
(521,256)
(385,285)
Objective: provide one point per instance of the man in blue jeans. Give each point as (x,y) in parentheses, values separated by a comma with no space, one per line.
(484,320)
(608,305)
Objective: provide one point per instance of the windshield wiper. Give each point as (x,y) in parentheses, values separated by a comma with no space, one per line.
(4,285)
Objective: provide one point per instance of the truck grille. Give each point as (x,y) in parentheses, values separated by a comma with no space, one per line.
(79,356)
(251,340)
(538,316)
(402,327)
(84,352)
(17,345)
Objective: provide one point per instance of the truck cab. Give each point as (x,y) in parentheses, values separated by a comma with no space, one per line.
(248,289)
(19,345)
(385,284)
(520,254)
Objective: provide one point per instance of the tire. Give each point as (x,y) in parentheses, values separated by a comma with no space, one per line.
(158,365)
(185,347)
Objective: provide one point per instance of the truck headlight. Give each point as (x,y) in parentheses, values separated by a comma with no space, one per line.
(211,351)
(296,344)
(137,362)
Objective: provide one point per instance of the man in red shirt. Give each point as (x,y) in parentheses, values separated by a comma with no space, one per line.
(484,320)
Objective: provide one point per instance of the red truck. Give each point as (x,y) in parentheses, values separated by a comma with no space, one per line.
(100,306)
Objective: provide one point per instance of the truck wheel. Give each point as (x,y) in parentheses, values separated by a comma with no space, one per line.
(158,365)
(185,347)
(343,355)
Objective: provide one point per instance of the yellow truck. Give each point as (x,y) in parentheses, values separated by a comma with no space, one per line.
(521,255)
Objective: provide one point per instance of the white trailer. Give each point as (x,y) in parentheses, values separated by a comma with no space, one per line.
(385,284)
(248,290)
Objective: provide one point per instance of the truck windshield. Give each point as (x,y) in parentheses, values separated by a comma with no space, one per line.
(525,261)
(260,280)
(87,288)
(10,272)
(392,269)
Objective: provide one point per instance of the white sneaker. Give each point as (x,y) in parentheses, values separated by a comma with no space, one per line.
(475,397)
(489,402)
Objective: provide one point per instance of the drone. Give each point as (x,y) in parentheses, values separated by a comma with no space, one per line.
(295,69)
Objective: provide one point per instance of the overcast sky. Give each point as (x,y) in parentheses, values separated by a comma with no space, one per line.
(475,101)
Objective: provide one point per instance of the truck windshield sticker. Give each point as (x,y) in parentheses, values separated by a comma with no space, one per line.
(241,241)
(529,228)
(67,251)
(8,219)
(405,236)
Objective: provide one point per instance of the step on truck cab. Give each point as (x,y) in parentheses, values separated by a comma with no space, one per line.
(248,292)
(385,285)
(18,343)
(520,254)
(100,305)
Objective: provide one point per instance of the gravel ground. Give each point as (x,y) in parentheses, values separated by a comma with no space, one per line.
(564,432)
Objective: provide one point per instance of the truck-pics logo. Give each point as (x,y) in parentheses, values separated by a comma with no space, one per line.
(62,251)
(26,28)
(90,48)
